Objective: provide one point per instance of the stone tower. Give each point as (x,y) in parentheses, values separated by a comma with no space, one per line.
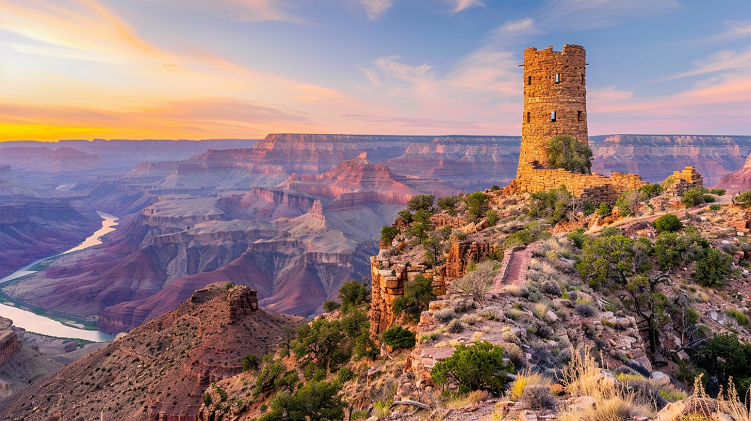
(555,101)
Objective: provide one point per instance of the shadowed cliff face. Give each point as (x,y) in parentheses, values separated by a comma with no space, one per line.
(738,181)
(161,368)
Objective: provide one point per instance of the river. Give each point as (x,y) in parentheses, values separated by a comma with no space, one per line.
(45,326)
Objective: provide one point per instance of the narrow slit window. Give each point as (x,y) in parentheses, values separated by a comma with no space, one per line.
(557,78)
(529,80)
(579,116)
(582,79)
(552,116)
(529,117)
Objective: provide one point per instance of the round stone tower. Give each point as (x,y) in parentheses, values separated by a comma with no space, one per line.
(555,101)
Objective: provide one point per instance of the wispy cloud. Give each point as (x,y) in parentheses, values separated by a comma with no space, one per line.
(246,10)
(732,30)
(460,5)
(376,8)
(721,61)
(423,123)
(593,14)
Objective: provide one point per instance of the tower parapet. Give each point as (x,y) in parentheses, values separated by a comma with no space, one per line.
(555,101)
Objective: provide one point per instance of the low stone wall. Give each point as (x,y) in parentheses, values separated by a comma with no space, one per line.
(681,181)
(592,187)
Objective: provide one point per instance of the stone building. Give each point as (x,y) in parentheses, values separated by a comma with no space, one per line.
(555,103)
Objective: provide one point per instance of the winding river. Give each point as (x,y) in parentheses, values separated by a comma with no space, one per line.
(39,324)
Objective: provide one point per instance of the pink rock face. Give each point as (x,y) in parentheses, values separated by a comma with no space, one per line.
(43,159)
(738,181)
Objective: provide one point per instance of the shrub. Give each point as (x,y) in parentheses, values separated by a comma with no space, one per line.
(491,217)
(352,294)
(321,343)
(477,204)
(578,237)
(743,199)
(448,204)
(538,397)
(421,202)
(725,357)
(330,306)
(718,192)
(739,317)
(713,268)
(550,205)
(604,209)
(316,400)
(455,326)
(476,283)
(388,233)
(381,409)
(585,310)
(229,286)
(628,203)
(207,399)
(267,377)
(650,190)
(531,232)
(417,295)
(551,287)
(445,315)
(405,216)
(715,207)
(250,362)
(693,197)
(399,338)
(568,153)
(668,223)
(477,366)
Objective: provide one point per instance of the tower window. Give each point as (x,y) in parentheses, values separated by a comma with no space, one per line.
(529,117)
(582,79)
(579,116)
(552,116)
(557,78)
(529,80)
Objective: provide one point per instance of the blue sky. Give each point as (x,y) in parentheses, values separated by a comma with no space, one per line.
(244,68)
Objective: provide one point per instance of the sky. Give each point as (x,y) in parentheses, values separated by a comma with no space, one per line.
(197,69)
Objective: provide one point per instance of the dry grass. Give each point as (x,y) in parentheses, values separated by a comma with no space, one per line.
(523,380)
(381,409)
(583,377)
(540,310)
(732,404)
(471,398)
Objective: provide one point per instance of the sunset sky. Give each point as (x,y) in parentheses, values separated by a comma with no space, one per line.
(243,68)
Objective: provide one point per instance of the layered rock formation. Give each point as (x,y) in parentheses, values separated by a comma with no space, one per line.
(160,370)
(9,343)
(655,157)
(44,159)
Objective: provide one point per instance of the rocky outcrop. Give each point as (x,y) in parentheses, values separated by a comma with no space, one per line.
(160,370)
(9,343)
(738,181)
(683,180)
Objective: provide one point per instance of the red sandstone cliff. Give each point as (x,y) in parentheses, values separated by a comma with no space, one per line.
(160,370)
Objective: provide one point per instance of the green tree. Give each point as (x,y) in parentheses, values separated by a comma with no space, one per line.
(568,153)
(388,233)
(421,202)
(418,293)
(713,268)
(421,225)
(315,401)
(250,362)
(623,266)
(433,245)
(693,197)
(405,216)
(448,204)
(352,294)
(550,205)
(399,337)
(320,343)
(668,223)
(743,199)
(477,204)
(672,250)
(725,356)
(628,203)
(330,306)
(365,347)
(604,209)
(649,191)
(477,366)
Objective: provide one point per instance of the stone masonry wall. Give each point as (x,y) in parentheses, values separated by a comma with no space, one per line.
(543,95)
(683,180)
(591,187)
